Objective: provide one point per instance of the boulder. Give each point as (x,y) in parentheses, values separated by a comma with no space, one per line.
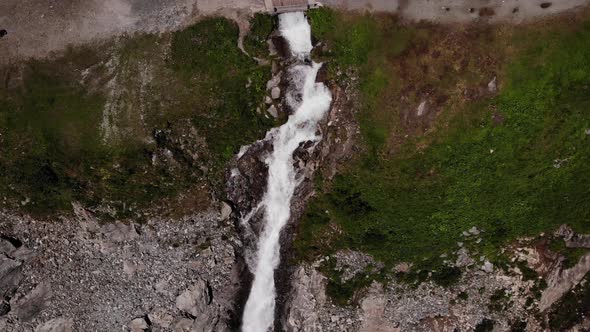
(225,211)
(138,325)
(119,232)
(275,93)
(272,110)
(160,317)
(421,109)
(11,276)
(33,303)
(492,86)
(56,325)
(183,325)
(273,82)
(195,300)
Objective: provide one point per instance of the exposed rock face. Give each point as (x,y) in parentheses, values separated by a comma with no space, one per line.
(307,296)
(399,307)
(561,281)
(33,303)
(573,240)
(373,311)
(78,275)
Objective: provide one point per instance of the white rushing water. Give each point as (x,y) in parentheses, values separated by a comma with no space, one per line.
(282,178)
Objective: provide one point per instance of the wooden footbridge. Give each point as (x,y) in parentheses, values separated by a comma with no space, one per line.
(284,6)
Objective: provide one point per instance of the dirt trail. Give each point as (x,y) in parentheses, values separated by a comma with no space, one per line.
(38,27)
(463,11)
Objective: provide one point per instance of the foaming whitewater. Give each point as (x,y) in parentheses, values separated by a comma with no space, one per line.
(282,176)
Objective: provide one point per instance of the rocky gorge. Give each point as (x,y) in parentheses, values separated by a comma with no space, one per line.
(181,264)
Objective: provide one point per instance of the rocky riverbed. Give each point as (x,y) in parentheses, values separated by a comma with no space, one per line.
(188,272)
(76,274)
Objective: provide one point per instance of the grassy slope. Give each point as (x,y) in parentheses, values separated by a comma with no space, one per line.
(52,149)
(410,201)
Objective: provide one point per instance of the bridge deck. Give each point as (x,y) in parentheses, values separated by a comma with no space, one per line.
(283,6)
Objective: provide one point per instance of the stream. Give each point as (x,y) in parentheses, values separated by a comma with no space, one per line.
(310,101)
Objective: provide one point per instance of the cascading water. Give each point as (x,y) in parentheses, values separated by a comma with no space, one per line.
(282,176)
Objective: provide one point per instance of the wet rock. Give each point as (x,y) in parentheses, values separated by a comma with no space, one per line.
(138,325)
(272,110)
(56,325)
(275,93)
(33,303)
(273,82)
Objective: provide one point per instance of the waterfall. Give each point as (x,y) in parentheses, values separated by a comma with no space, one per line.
(309,109)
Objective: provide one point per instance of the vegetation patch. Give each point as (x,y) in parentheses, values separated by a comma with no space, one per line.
(261,26)
(511,163)
(120,125)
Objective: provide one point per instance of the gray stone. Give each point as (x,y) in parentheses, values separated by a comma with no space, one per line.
(138,325)
(10,276)
(273,82)
(421,109)
(6,247)
(56,325)
(487,267)
(402,267)
(160,317)
(571,239)
(559,282)
(267,100)
(225,211)
(272,110)
(33,303)
(492,86)
(119,232)
(183,325)
(195,299)
(275,93)
(307,296)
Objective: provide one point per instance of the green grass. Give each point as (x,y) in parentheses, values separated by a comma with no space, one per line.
(261,26)
(233,85)
(414,204)
(53,149)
